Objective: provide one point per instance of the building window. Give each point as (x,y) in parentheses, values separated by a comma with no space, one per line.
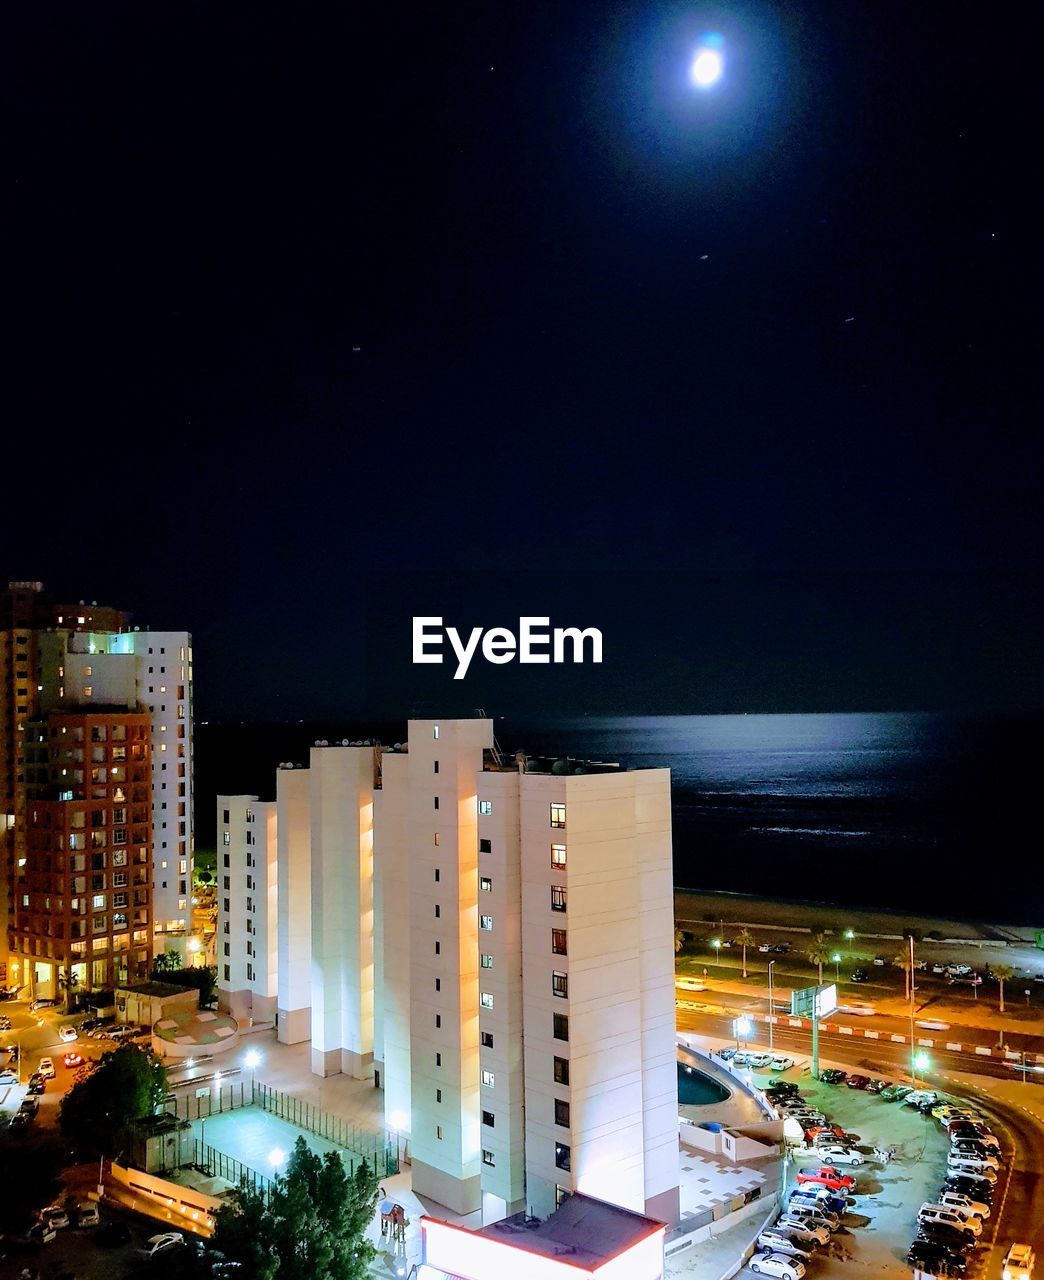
(558,815)
(438,1059)
(485,846)
(558,898)
(438,1132)
(486,1000)
(438,984)
(485,807)
(558,856)
(488,1159)
(559,984)
(435,734)
(558,942)
(488,1119)
(438,1020)
(487,962)
(436,769)
(436,839)
(438,947)
(561,1071)
(438,1095)
(436,875)
(562,1113)
(489,1079)
(561,1026)
(226,837)
(487,1039)
(438,911)
(561,1156)
(485,922)
(485,884)
(227,973)
(88,692)
(436,799)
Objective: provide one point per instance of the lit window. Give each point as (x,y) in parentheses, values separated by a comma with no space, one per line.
(558,898)
(558,942)
(561,1156)
(485,922)
(226,837)
(558,815)
(558,856)
(559,984)
(436,838)
(88,672)
(485,884)
(487,962)
(489,1079)
(435,732)
(88,691)
(485,807)
(486,1000)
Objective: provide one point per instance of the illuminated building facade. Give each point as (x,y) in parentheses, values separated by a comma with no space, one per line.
(247,886)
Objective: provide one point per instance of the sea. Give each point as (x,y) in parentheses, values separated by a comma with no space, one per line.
(925,813)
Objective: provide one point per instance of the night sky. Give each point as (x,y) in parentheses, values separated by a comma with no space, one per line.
(323,315)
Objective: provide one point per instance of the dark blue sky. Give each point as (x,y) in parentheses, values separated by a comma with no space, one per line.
(748,378)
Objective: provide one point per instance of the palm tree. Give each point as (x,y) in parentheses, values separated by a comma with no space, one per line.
(679,940)
(817,952)
(68,982)
(746,939)
(1001,973)
(902,961)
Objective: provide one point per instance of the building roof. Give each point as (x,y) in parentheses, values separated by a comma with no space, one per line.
(583,1231)
(155,989)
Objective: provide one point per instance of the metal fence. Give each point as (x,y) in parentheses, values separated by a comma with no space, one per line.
(209,1102)
(216,1164)
(380,1151)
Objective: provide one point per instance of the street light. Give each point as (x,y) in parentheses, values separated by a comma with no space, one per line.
(849,935)
(716,945)
(836,957)
(276,1157)
(772,1005)
(743,1028)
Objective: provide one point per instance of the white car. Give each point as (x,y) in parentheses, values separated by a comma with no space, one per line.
(835,1153)
(972,1165)
(781,1062)
(777,1264)
(803,1229)
(918,1096)
(760,1060)
(976,1157)
(936,1213)
(958,1201)
(55,1216)
(46,1069)
(780,1242)
(860,1008)
(68,1034)
(165,1240)
(933,1024)
(813,1214)
(1018,1263)
(87,1214)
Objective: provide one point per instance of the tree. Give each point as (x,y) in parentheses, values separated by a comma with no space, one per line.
(746,939)
(817,952)
(679,940)
(67,983)
(902,961)
(166,962)
(127,1083)
(1001,973)
(203,979)
(312,1227)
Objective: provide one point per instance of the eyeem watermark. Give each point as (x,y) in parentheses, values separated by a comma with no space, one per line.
(535,642)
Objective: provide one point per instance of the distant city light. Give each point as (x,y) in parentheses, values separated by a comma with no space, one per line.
(707,63)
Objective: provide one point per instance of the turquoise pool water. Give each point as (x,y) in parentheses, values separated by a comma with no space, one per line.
(696,1089)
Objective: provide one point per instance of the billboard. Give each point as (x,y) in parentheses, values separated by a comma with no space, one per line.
(814,1001)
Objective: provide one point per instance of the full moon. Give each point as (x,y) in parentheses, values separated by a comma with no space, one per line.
(706,68)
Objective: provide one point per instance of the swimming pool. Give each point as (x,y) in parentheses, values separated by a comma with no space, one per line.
(696,1089)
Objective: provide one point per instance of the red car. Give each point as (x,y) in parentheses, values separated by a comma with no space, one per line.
(827,1177)
(828,1130)
(73,1060)
(857,1082)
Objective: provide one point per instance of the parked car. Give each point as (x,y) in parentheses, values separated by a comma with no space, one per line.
(936,1213)
(37,1084)
(46,1069)
(860,975)
(857,1082)
(777,1264)
(783,1088)
(936,1259)
(726,1053)
(807,1232)
(876,1086)
(73,1059)
(977,1150)
(835,1153)
(87,1214)
(56,1215)
(958,1200)
(34,1005)
(965,1165)
(967,1130)
(942,1233)
(740,1058)
(781,949)
(21,1120)
(879,961)
(7,1076)
(814,1214)
(917,1097)
(896,1092)
(41,1233)
(781,1062)
(837,1202)
(1018,1263)
(165,1240)
(827,1178)
(970,1183)
(981,1158)
(831,1132)
(68,1034)
(759,1061)
(30,1106)
(833,1075)
(780,1242)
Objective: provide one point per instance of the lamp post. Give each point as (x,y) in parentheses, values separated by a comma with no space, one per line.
(836,957)
(849,935)
(716,948)
(252,1061)
(772,1004)
(742,1028)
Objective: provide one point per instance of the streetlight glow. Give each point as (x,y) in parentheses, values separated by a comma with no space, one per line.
(253,1059)
(276,1157)
(921,1061)
(744,1027)
(707,67)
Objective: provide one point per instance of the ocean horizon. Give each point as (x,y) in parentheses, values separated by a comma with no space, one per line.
(900,810)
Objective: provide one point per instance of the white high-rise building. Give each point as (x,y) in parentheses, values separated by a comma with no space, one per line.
(247,897)
(493,940)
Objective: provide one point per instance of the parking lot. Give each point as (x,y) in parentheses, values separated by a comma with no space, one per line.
(881,1221)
